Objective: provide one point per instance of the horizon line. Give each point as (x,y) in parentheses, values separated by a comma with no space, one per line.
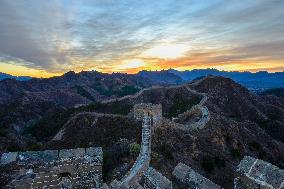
(118,72)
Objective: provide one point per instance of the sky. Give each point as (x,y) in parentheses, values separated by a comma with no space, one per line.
(46,38)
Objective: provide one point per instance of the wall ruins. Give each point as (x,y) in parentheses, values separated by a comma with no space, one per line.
(152,179)
(255,173)
(149,109)
(192,179)
(82,167)
(70,168)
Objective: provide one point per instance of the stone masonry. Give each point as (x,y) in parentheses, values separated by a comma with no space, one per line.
(70,168)
(141,175)
(192,179)
(254,173)
(149,109)
(82,167)
(152,179)
(142,162)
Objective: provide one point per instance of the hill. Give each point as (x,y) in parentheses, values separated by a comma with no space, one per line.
(163,76)
(24,104)
(239,123)
(8,76)
(275,91)
(258,81)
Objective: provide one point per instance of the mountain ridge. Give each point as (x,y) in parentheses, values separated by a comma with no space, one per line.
(8,76)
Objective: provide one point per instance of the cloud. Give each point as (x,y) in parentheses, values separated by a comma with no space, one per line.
(57,36)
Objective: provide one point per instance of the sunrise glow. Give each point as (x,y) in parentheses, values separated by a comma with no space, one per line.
(166,51)
(87,35)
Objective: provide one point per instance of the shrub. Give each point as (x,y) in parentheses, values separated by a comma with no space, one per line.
(115,107)
(235,153)
(3,132)
(127,90)
(13,148)
(165,150)
(134,149)
(108,164)
(34,147)
(181,104)
(81,91)
(48,125)
(255,146)
(220,162)
(208,164)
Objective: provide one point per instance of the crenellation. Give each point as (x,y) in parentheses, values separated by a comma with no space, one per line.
(152,179)
(149,109)
(192,179)
(255,173)
(71,168)
(9,157)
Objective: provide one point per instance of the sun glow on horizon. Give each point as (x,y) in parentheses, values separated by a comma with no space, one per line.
(166,51)
(130,64)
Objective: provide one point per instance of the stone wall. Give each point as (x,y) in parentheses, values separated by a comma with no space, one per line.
(199,109)
(192,179)
(70,168)
(148,109)
(142,162)
(152,179)
(254,173)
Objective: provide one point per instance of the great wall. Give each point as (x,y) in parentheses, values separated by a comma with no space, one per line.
(82,167)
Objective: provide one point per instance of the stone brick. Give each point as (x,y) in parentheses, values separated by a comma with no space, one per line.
(259,174)
(69,153)
(192,179)
(50,171)
(38,156)
(245,165)
(180,171)
(145,109)
(94,151)
(9,157)
(153,179)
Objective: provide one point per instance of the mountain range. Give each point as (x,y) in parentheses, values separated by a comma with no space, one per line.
(255,81)
(94,109)
(20,78)
(258,81)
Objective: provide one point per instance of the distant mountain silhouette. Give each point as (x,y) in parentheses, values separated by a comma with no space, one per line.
(84,109)
(254,81)
(163,76)
(275,91)
(8,76)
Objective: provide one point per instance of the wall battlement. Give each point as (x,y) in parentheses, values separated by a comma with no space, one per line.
(70,168)
(148,109)
(255,173)
(142,162)
(152,179)
(192,179)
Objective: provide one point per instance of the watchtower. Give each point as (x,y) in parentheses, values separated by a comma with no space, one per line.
(148,109)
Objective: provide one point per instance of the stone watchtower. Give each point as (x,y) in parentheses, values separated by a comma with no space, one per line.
(148,109)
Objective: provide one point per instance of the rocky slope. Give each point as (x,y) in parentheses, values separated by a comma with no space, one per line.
(24,103)
(20,78)
(163,76)
(241,123)
(279,92)
(258,81)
